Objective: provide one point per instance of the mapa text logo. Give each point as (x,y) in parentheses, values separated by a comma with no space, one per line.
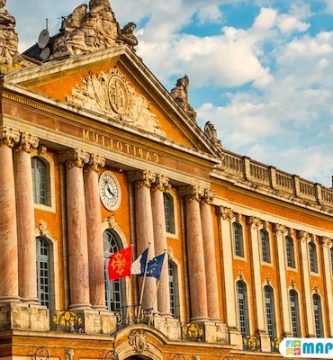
(315,348)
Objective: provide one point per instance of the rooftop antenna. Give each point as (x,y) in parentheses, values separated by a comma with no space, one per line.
(47,24)
(43,41)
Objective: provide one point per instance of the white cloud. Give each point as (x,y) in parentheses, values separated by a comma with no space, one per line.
(210,13)
(288,24)
(266,19)
(329,4)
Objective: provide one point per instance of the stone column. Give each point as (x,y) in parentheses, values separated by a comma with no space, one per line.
(26,219)
(327,245)
(255,225)
(280,233)
(304,238)
(145,229)
(94,232)
(8,231)
(160,241)
(226,218)
(210,256)
(77,229)
(195,253)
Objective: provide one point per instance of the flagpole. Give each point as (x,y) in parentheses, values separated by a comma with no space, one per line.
(151,314)
(143,285)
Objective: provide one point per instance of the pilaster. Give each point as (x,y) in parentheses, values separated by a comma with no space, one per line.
(327,246)
(304,238)
(280,234)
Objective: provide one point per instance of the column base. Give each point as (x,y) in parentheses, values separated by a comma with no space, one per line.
(168,326)
(235,338)
(216,332)
(20,316)
(265,342)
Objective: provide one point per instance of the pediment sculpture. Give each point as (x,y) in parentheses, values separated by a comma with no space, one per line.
(91,28)
(111,94)
(180,94)
(8,37)
(211,134)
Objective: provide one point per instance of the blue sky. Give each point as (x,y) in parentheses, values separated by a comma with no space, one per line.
(261,70)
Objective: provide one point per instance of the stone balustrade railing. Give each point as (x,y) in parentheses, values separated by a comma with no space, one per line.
(261,174)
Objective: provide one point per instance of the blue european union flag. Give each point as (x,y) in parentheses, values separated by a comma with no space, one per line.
(154,266)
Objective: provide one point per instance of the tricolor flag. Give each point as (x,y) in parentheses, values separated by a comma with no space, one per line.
(139,265)
(120,264)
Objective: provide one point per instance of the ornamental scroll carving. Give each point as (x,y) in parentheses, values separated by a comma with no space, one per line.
(111,94)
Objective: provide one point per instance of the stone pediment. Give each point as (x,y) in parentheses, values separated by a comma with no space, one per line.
(111,94)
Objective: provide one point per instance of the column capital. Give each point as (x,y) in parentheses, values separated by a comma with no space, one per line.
(254,222)
(161,183)
(74,158)
(143,178)
(280,229)
(225,213)
(304,236)
(28,142)
(96,162)
(9,136)
(208,196)
(326,242)
(192,192)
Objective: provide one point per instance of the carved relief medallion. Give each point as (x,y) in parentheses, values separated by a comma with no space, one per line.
(138,340)
(118,95)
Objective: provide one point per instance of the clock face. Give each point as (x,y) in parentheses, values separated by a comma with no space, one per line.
(109,190)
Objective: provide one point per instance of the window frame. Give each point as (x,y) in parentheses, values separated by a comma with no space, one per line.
(48,260)
(111,286)
(313,258)
(297,315)
(268,258)
(174,295)
(243,319)
(172,214)
(238,241)
(289,240)
(319,327)
(270,317)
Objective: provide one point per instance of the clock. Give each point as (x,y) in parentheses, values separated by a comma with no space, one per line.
(109,190)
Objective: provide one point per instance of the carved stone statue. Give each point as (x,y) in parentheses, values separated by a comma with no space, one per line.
(180,94)
(211,134)
(8,37)
(86,31)
(126,35)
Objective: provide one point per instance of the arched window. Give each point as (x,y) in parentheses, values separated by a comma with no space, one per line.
(169,213)
(43,257)
(270,311)
(294,312)
(265,247)
(40,181)
(114,290)
(313,257)
(318,316)
(173,287)
(290,252)
(243,309)
(238,239)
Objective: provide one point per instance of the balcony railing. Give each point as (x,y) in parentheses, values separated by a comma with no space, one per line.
(251,343)
(243,168)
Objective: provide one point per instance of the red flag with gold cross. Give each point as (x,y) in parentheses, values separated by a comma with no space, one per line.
(120,264)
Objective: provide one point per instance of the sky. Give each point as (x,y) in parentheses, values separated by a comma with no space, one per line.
(260,70)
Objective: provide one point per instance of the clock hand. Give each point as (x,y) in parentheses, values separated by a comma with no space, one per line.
(110,190)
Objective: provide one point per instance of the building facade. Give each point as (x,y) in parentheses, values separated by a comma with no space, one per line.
(96,156)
